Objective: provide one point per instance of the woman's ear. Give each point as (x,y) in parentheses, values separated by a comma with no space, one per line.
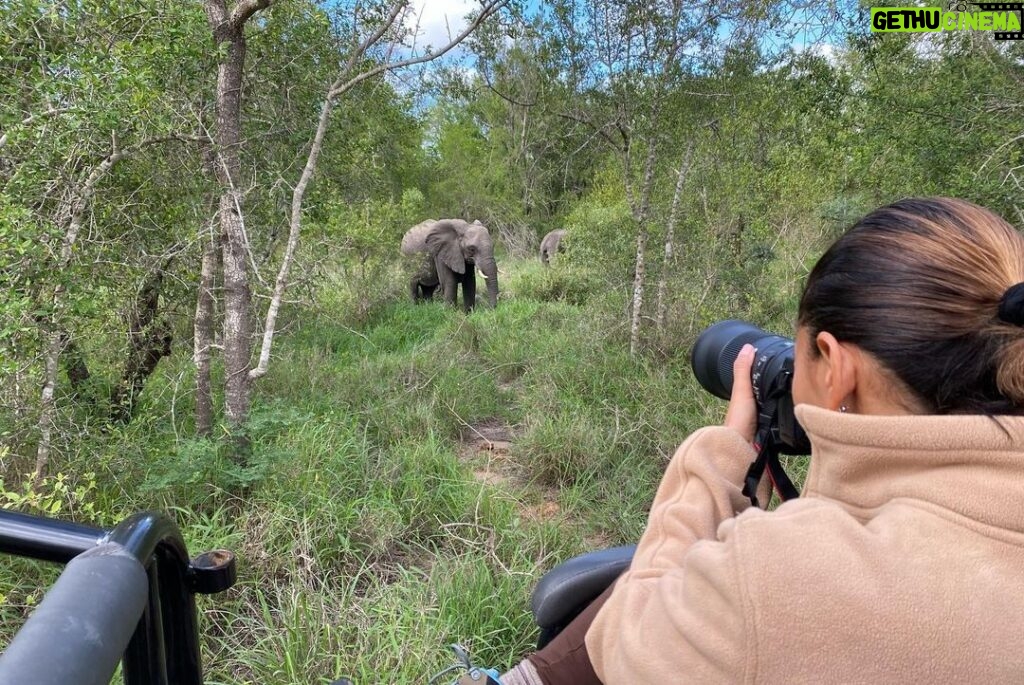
(839,371)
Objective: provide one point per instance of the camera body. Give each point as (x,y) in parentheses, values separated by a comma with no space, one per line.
(712,360)
(778,431)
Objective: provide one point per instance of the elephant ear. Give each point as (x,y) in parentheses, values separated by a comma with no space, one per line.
(443,243)
(415,239)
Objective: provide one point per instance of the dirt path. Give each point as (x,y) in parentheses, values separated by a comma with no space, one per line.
(487,448)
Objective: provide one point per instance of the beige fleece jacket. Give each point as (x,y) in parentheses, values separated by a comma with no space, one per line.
(903,562)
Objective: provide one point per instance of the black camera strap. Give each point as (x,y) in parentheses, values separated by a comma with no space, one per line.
(780,479)
(768,440)
(767,459)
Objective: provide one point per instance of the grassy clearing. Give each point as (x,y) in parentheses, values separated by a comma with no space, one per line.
(375,528)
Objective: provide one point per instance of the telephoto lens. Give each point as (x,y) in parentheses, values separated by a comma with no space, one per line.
(718,346)
(712,359)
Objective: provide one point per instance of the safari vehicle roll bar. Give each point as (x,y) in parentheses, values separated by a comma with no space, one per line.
(125,592)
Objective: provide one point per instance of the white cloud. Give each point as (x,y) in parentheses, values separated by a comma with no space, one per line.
(439,19)
(828,51)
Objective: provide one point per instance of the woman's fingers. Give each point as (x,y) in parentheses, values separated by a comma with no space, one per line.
(742,413)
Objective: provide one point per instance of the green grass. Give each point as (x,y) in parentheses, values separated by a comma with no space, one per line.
(367,538)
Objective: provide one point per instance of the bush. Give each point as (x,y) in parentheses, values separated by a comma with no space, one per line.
(564,282)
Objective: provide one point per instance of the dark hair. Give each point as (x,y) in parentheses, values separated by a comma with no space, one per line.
(918,284)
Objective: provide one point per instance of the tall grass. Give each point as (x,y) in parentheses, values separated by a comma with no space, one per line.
(373,530)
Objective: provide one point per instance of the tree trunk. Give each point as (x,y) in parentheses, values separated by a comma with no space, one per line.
(202,339)
(149,341)
(48,411)
(294,229)
(640,273)
(237,296)
(71,213)
(639,279)
(670,232)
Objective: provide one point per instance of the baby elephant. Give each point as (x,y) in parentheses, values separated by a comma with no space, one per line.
(549,246)
(425,281)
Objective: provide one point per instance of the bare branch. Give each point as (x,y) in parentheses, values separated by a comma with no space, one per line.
(599,130)
(246,9)
(507,98)
(374,37)
(670,230)
(340,86)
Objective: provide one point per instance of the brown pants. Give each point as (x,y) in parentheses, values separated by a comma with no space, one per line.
(564,660)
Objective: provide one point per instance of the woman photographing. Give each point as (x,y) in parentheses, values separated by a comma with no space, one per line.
(903,560)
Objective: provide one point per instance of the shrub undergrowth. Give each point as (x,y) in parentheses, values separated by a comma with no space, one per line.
(370,527)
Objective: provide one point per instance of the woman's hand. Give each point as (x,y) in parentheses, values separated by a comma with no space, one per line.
(742,413)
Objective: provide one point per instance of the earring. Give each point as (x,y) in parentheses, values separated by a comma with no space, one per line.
(843,408)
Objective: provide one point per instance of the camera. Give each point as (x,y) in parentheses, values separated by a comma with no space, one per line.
(772,376)
(778,431)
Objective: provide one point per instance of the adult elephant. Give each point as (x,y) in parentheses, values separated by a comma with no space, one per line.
(549,246)
(454,249)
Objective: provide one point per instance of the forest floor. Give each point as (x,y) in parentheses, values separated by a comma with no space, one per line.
(415,471)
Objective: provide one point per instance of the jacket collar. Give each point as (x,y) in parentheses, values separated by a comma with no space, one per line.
(972,465)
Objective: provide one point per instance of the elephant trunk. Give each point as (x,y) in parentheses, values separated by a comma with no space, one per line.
(489,269)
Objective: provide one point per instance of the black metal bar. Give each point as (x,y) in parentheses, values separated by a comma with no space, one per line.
(167,649)
(45,539)
(144,657)
(180,626)
(78,632)
(164,648)
(141,533)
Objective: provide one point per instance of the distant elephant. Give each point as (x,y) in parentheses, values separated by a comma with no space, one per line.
(549,246)
(455,248)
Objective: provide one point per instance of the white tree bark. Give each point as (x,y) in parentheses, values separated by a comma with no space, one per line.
(641,212)
(670,231)
(47,413)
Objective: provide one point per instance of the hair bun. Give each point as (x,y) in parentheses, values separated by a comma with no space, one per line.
(1011,306)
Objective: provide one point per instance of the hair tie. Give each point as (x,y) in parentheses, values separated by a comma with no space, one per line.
(1011,306)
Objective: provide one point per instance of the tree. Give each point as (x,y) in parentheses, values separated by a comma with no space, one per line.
(625,59)
(670,232)
(530,161)
(66,126)
(369,37)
